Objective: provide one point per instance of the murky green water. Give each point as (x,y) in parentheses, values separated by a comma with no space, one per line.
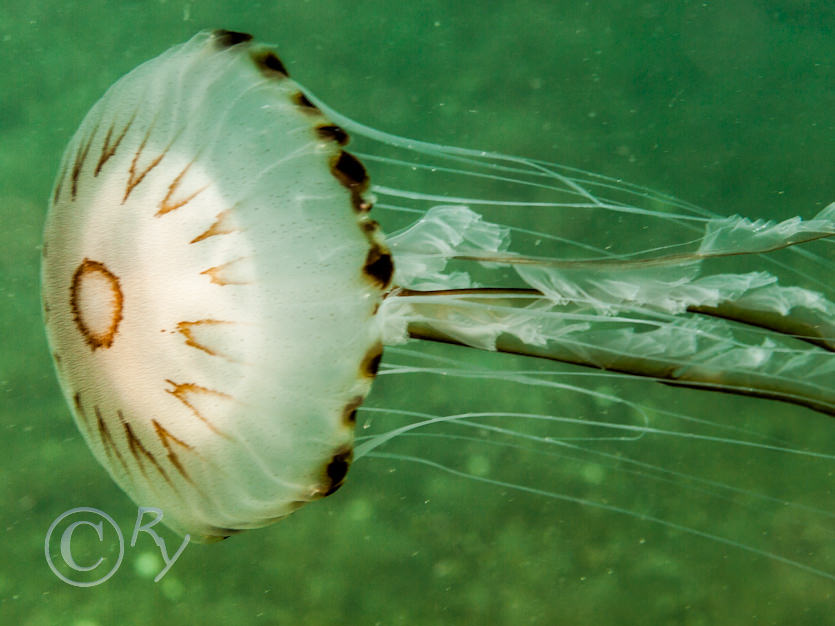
(728,105)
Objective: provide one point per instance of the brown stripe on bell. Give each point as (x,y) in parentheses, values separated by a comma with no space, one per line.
(59,183)
(333,132)
(304,104)
(139,452)
(106,438)
(370,228)
(378,265)
(79,407)
(270,65)
(335,471)
(349,411)
(80,157)
(348,170)
(228,38)
(371,362)
(108,149)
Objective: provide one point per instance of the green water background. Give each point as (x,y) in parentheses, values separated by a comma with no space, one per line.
(726,104)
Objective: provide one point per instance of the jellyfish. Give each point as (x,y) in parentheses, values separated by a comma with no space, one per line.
(221,281)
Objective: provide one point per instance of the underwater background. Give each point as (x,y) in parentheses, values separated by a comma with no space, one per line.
(727,105)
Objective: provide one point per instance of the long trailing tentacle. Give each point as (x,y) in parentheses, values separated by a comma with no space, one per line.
(660,317)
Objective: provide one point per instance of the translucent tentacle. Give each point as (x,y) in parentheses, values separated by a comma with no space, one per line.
(656,317)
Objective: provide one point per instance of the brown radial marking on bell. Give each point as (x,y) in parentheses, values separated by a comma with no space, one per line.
(133,178)
(167,205)
(270,65)
(349,411)
(79,409)
(185,329)
(332,132)
(219,227)
(369,227)
(349,171)
(60,184)
(336,470)
(96,339)
(378,265)
(108,150)
(371,361)
(166,438)
(139,451)
(306,106)
(215,274)
(57,358)
(80,157)
(227,38)
(107,439)
(181,391)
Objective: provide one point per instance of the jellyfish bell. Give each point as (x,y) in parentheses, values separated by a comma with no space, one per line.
(216,294)
(210,288)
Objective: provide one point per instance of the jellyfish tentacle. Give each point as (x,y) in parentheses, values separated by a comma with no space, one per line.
(806,323)
(661,316)
(691,351)
(610,508)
